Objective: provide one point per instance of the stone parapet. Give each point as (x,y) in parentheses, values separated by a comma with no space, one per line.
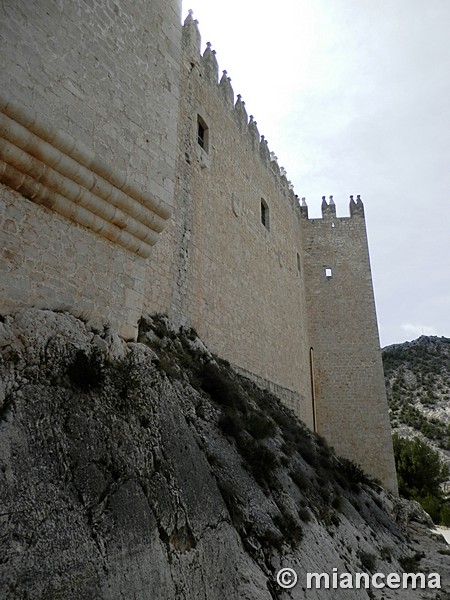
(289,398)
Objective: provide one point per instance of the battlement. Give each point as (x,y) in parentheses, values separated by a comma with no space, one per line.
(356,208)
(207,68)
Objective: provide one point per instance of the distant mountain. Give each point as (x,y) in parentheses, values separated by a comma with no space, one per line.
(417,377)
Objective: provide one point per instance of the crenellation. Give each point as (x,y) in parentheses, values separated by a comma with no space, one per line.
(254,133)
(241,113)
(356,207)
(209,73)
(210,64)
(303,209)
(328,209)
(226,89)
(191,37)
(264,151)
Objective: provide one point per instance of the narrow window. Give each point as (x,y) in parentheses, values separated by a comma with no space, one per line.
(298,263)
(202,133)
(328,273)
(313,389)
(264,214)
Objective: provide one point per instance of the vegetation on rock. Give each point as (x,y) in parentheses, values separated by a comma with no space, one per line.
(152,468)
(420,474)
(418,387)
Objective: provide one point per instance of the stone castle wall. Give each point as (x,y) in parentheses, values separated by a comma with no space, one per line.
(238,283)
(49,262)
(112,123)
(105,73)
(89,131)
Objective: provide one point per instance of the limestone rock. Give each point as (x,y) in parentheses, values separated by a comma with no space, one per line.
(150,470)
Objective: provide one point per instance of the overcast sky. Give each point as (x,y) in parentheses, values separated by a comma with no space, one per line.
(353,97)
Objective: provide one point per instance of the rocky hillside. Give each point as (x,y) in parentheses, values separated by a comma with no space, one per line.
(418,387)
(150,470)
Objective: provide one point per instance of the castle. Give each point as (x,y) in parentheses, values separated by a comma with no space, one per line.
(133,181)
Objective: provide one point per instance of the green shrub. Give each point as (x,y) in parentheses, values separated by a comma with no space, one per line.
(166,363)
(259,460)
(324,493)
(410,564)
(327,516)
(221,388)
(420,473)
(352,475)
(321,441)
(259,426)
(338,503)
(189,333)
(368,560)
(125,375)
(386,553)
(289,527)
(304,514)
(445,514)
(271,539)
(231,425)
(418,467)
(86,371)
(160,327)
(432,505)
(308,452)
(300,479)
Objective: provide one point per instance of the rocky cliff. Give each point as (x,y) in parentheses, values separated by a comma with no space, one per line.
(151,471)
(418,387)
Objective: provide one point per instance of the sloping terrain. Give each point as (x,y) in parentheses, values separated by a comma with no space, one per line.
(150,470)
(418,387)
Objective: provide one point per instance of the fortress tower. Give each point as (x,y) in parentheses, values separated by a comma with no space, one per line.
(348,388)
(89,102)
(132,181)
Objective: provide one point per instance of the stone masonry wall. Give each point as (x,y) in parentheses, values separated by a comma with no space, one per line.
(350,395)
(235,281)
(238,261)
(105,74)
(47,261)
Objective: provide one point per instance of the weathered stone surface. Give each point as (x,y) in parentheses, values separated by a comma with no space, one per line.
(120,477)
(106,77)
(101,116)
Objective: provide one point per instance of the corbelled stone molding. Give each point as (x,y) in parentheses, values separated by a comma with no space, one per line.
(51,168)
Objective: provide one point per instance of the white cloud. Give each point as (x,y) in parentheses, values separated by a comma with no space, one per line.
(417,330)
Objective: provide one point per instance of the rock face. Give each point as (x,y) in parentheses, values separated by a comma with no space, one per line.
(151,470)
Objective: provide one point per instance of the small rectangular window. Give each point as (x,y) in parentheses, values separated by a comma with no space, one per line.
(328,273)
(202,134)
(264,213)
